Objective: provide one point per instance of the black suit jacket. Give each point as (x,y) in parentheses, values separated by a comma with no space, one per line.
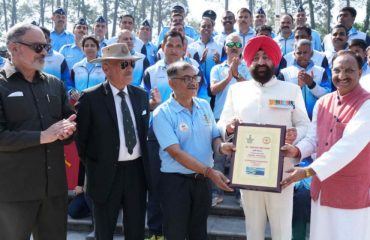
(98,135)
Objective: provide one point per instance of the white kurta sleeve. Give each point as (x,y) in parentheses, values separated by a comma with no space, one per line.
(355,137)
(307,145)
(300,118)
(227,113)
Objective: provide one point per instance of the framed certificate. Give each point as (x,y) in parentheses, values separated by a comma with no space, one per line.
(257,163)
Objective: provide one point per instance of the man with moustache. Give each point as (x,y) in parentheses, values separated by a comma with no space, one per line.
(73,52)
(339,38)
(35,119)
(266,100)
(228,22)
(60,36)
(346,17)
(244,21)
(339,135)
(285,38)
(318,58)
(112,123)
(187,133)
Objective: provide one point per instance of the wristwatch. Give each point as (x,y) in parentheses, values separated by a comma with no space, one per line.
(308,172)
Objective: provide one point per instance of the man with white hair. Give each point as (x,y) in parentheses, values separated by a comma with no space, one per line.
(35,119)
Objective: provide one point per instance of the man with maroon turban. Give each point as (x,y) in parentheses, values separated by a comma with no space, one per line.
(258,102)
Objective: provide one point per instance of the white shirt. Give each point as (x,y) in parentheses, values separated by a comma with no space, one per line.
(365,82)
(123,153)
(355,137)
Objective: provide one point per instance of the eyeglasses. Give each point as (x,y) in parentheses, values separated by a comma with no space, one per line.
(234,44)
(125,64)
(37,47)
(189,79)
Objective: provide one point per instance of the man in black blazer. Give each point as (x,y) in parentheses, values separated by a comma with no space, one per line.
(112,123)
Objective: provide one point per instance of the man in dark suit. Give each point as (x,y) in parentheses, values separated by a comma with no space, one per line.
(34,117)
(112,123)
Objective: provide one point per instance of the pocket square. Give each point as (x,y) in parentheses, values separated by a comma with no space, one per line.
(143,113)
(16,94)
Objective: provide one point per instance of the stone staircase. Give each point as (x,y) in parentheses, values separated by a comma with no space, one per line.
(225,222)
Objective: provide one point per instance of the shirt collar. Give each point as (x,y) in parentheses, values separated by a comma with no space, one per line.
(250,32)
(291,36)
(270,83)
(10,70)
(115,91)
(352,31)
(176,106)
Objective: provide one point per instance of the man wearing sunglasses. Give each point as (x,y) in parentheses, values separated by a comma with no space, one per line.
(223,75)
(73,52)
(35,121)
(112,123)
(60,36)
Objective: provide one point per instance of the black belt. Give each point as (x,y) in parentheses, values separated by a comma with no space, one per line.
(196,176)
(127,163)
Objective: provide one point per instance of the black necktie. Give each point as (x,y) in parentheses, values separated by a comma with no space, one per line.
(128,125)
(143,49)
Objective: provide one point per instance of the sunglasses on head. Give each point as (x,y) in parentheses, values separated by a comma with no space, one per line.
(126,63)
(37,47)
(234,44)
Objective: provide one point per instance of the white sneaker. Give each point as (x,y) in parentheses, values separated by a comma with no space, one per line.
(217,199)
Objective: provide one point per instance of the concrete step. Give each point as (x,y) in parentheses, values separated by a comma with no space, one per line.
(229,207)
(219,227)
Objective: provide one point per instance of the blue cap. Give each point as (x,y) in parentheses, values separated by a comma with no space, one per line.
(35,23)
(146,23)
(59,11)
(100,19)
(210,14)
(81,21)
(300,8)
(260,11)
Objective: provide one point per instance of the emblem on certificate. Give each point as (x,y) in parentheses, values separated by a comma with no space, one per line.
(257,163)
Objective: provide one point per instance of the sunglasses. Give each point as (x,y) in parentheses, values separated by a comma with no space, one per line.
(125,64)
(37,47)
(234,44)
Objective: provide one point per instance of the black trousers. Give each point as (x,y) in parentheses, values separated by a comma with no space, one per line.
(154,211)
(128,193)
(185,204)
(46,219)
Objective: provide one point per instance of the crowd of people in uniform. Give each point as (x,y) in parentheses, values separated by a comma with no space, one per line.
(161,117)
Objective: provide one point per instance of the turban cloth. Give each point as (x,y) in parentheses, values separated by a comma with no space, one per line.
(267,44)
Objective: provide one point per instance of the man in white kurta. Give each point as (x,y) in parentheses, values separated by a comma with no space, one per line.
(258,101)
(352,220)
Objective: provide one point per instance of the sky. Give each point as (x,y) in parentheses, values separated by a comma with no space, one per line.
(197,7)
